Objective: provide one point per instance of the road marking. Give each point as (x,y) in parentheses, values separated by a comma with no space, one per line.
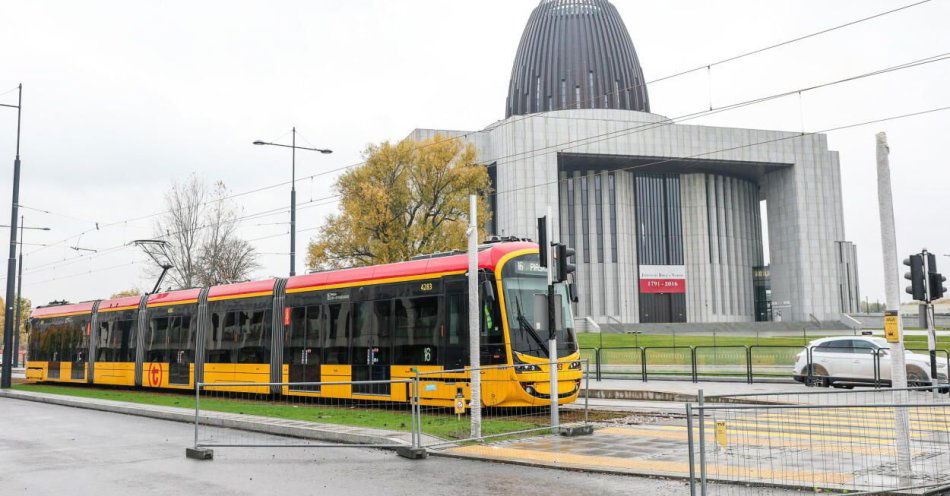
(760,441)
(649,466)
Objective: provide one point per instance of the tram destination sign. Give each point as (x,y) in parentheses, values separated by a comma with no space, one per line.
(663,279)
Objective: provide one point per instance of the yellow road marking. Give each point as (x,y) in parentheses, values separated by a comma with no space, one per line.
(652,466)
(816,437)
(756,441)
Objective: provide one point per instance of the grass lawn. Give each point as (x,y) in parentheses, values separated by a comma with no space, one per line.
(443,425)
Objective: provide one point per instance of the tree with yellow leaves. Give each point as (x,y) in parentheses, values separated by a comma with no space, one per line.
(407,199)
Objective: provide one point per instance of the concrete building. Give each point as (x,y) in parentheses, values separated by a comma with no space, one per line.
(665,217)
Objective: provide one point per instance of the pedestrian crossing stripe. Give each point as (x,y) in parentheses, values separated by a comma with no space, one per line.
(839,420)
(882,449)
(651,467)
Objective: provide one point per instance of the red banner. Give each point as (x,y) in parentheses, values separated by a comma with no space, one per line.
(662,285)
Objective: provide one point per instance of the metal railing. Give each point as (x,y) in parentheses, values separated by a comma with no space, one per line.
(820,441)
(528,393)
(431,409)
(744,363)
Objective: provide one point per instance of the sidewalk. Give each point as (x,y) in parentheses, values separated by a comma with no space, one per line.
(265,425)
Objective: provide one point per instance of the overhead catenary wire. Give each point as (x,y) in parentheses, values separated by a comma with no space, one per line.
(792,136)
(605,136)
(526,116)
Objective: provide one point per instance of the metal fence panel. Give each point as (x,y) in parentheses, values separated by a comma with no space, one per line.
(668,362)
(515,397)
(821,447)
(718,363)
(621,363)
(307,414)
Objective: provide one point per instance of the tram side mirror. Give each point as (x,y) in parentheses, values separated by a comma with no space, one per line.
(572,292)
(488,290)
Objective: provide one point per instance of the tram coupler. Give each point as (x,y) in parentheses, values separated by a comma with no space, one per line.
(576,430)
(199,453)
(412,453)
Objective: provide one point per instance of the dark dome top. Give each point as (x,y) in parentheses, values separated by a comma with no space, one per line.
(575,54)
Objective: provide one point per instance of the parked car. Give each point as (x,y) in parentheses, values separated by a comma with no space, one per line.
(848,361)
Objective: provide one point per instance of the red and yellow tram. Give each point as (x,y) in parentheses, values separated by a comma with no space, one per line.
(363,324)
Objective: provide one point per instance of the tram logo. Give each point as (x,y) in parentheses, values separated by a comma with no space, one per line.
(155,375)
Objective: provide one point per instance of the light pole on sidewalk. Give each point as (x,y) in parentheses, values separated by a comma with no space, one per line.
(293,190)
(19,294)
(6,371)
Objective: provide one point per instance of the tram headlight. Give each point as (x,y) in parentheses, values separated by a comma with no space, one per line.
(529,368)
(575,366)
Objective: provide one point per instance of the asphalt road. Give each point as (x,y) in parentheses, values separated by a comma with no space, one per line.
(50,449)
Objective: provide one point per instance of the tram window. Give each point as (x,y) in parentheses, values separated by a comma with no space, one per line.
(104,348)
(337,343)
(295,339)
(416,338)
(185,349)
(255,340)
(214,344)
(314,327)
(123,332)
(455,353)
(156,348)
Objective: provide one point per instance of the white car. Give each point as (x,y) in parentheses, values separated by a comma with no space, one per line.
(846,361)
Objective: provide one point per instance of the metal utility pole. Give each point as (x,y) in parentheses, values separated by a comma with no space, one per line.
(474,351)
(293,190)
(893,328)
(929,309)
(552,321)
(19,293)
(6,371)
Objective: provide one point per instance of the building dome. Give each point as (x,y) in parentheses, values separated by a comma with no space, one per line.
(575,54)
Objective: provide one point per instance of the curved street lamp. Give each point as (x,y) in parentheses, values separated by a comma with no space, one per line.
(293,189)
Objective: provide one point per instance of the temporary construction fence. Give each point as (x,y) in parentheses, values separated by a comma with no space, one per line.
(750,364)
(430,409)
(829,441)
(304,415)
(516,400)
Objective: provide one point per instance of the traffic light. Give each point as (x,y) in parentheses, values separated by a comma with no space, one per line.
(916,277)
(563,265)
(937,288)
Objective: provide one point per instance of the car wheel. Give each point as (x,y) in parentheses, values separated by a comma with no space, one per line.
(916,378)
(817,378)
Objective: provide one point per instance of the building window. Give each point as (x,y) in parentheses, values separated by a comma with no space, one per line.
(599,216)
(617,93)
(571,216)
(537,94)
(563,102)
(585,219)
(612,198)
(590,86)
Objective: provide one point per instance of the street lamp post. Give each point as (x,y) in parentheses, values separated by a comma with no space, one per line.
(293,190)
(19,294)
(6,371)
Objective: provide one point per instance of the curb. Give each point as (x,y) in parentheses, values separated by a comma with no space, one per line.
(373,438)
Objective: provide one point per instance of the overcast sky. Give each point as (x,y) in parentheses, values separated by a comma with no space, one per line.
(122,98)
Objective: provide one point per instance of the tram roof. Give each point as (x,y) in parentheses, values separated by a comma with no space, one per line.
(242,290)
(125,302)
(488,258)
(63,310)
(180,297)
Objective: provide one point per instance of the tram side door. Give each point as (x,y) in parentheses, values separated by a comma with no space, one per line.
(80,350)
(372,357)
(306,326)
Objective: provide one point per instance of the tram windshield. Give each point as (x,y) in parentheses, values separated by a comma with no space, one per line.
(522,279)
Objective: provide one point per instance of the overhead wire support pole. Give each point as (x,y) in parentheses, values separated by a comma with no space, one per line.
(6,371)
(293,202)
(474,351)
(19,295)
(293,189)
(893,327)
(552,322)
